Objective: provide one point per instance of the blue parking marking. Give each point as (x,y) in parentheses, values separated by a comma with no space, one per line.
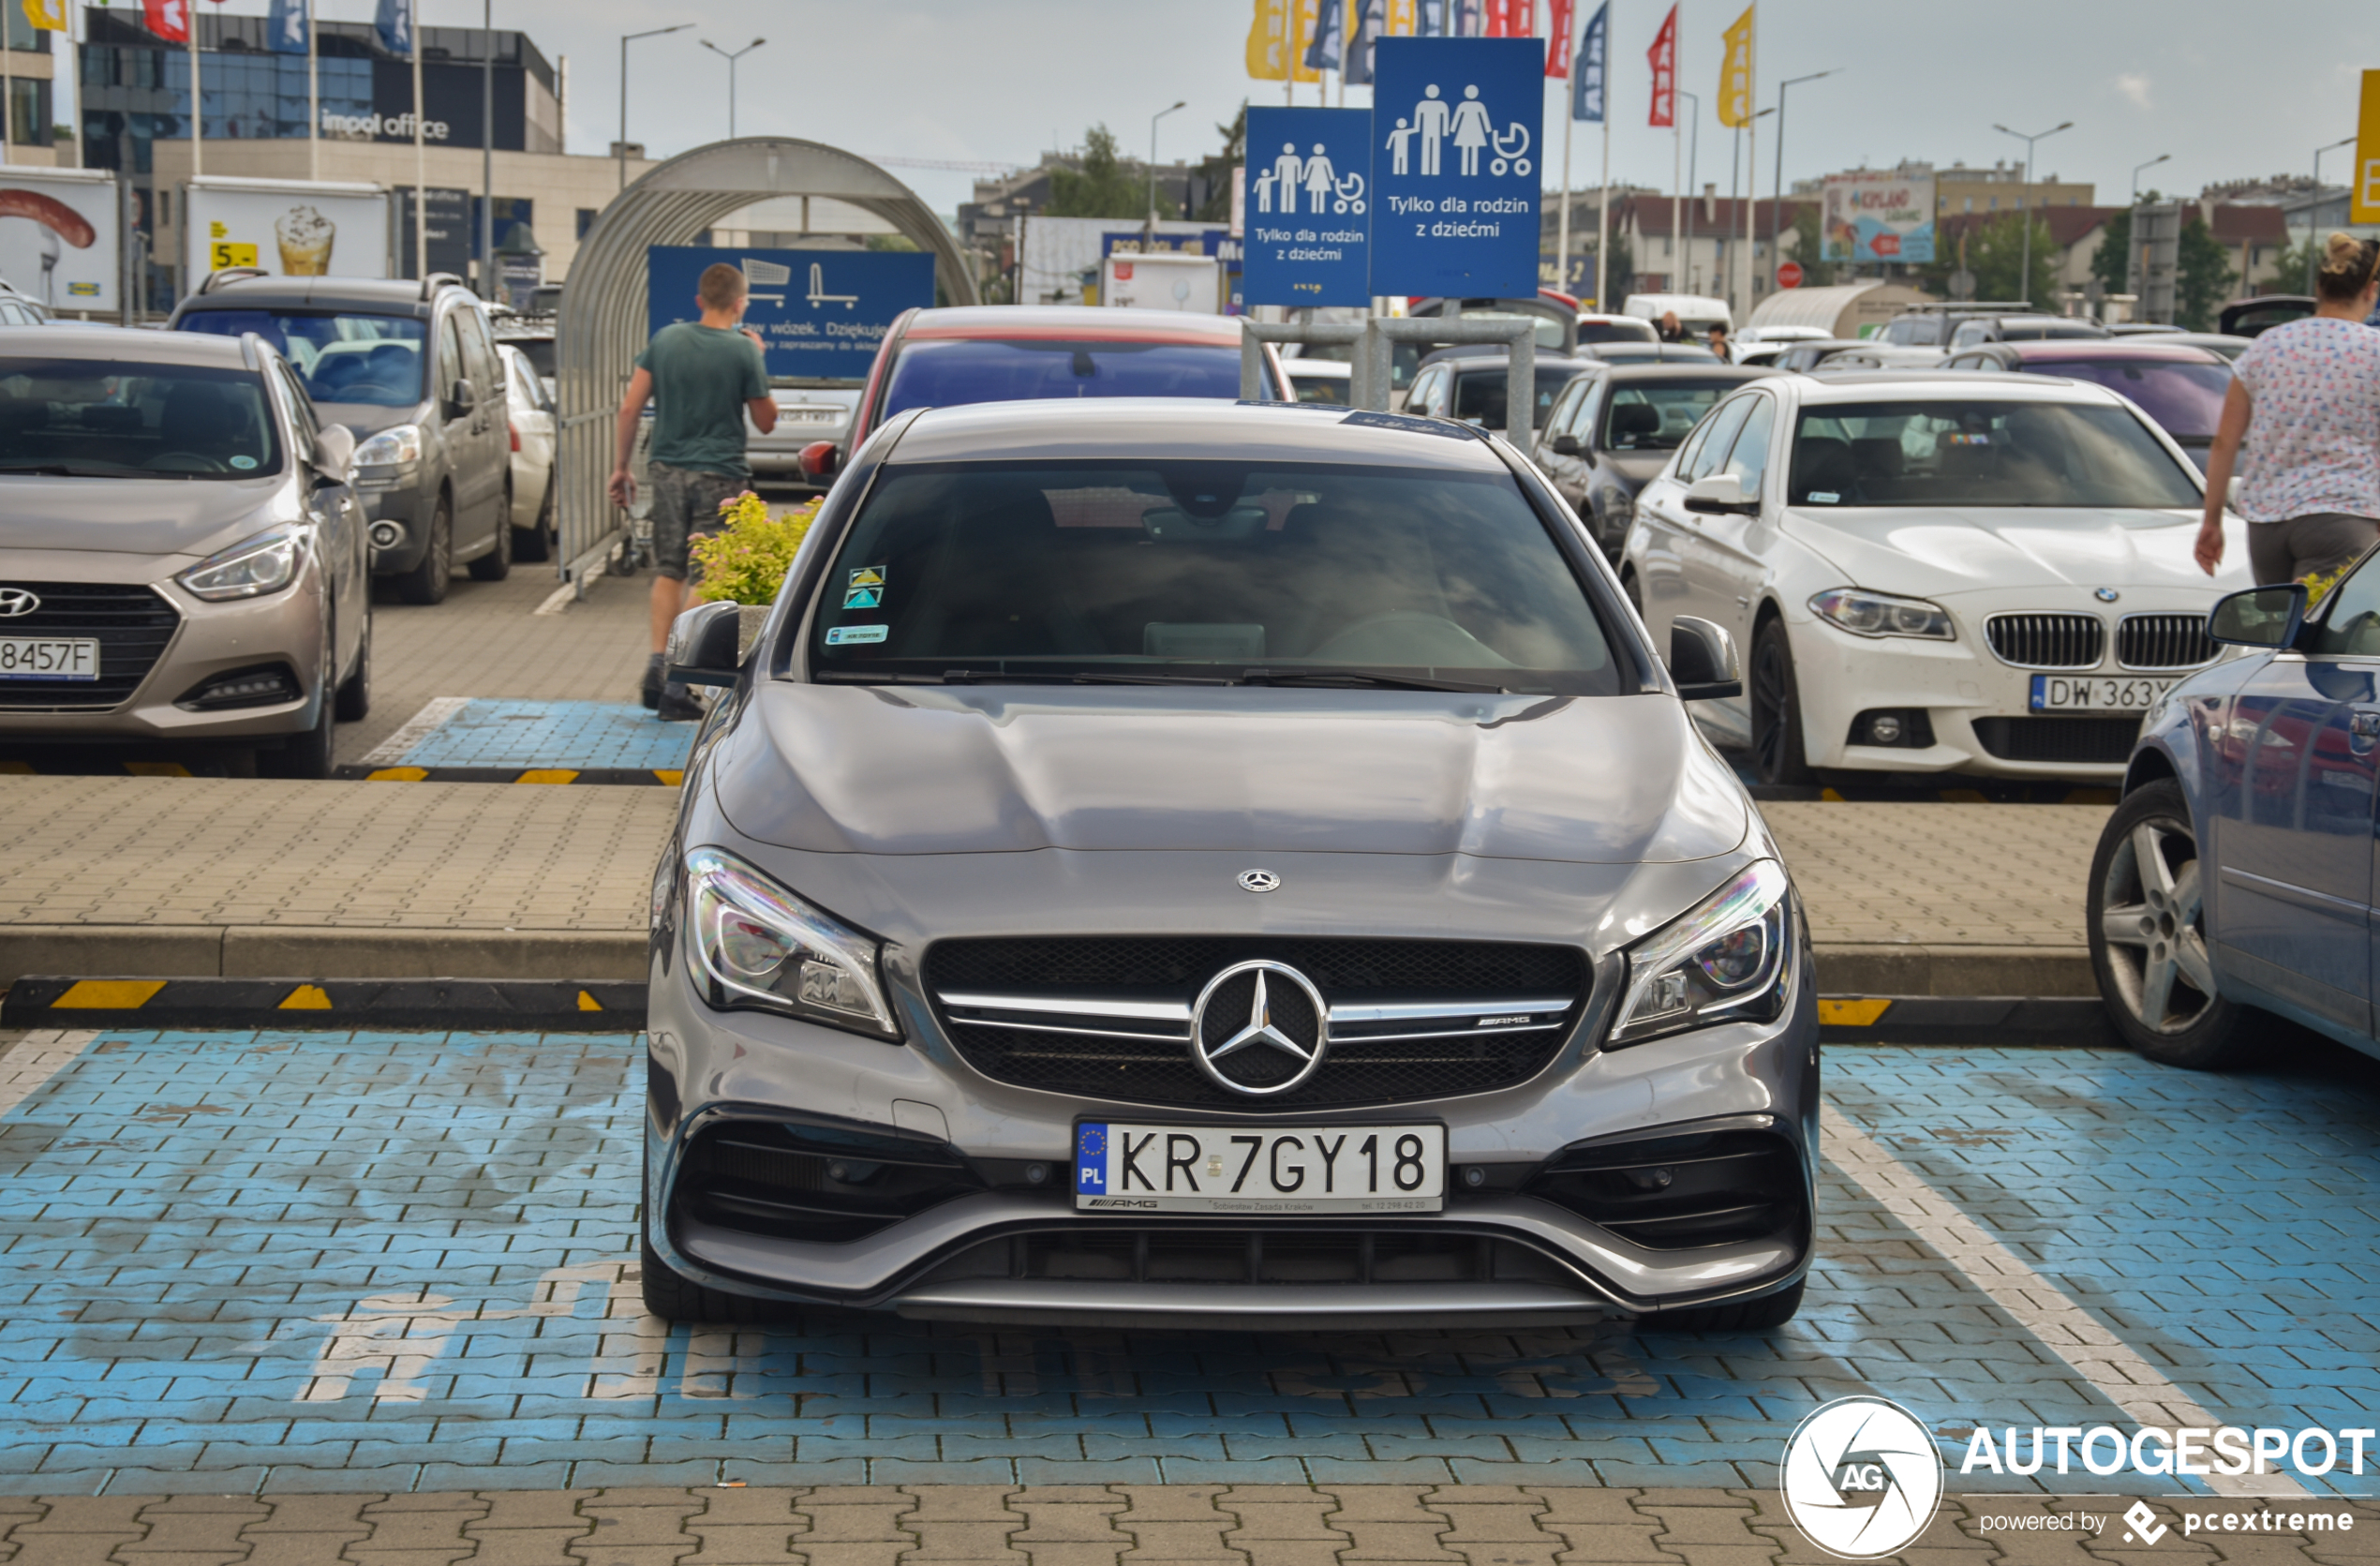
(393,1262)
(571,734)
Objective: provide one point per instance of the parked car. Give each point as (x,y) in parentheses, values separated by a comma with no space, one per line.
(946,358)
(1864,358)
(1696,313)
(2022,329)
(2229,347)
(1935,572)
(1761,344)
(411,369)
(2234,883)
(810,409)
(1656,353)
(182,558)
(534,336)
(1320,380)
(1614,329)
(20,309)
(1556,315)
(2142,329)
(2178,384)
(1805,356)
(535,535)
(2252,317)
(1201,772)
(1965,324)
(1608,435)
(1471,383)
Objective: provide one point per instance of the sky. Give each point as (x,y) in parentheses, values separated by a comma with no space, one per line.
(1003,81)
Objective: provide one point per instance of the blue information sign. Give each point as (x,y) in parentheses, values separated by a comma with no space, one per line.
(1455,166)
(820,312)
(1309,213)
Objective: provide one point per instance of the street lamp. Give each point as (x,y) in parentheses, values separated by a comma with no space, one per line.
(1153,161)
(731,60)
(2136,265)
(2313,228)
(1685,258)
(1776,207)
(627,39)
(2025,205)
(2161,157)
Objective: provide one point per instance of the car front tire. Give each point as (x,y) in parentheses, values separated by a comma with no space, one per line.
(354,700)
(1779,752)
(425,584)
(2146,923)
(536,541)
(497,563)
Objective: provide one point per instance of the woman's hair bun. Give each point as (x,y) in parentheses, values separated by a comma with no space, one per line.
(2347,266)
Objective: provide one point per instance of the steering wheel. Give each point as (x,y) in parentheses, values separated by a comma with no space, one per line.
(186,462)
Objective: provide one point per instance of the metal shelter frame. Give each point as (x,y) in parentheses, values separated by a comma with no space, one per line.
(602,326)
(1370,375)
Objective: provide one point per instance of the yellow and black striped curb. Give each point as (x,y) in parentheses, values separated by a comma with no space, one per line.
(2053,1021)
(665,777)
(478,1005)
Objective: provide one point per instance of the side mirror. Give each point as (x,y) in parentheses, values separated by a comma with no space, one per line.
(702,645)
(463,398)
(819,459)
(1566,445)
(334,451)
(1703,661)
(2260,617)
(1718,494)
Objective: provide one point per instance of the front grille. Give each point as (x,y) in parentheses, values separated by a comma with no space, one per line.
(2047,641)
(133,624)
(813,1182)
(1108,1017)
(1279,1253)
(1709,1188)
(2097,740)
(2164,642)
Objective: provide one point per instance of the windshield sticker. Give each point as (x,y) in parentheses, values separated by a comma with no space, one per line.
(244,463)
(1970,439)
(867,576)
(1823,498)
(843,635)
(863,598)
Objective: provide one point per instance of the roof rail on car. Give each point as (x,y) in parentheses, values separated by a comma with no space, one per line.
(231,275)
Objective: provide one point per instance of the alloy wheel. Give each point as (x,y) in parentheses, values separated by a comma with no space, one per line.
(1772,710)
(2152,905)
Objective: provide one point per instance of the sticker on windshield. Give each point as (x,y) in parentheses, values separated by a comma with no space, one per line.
(1978,439)
(244,463)
(863,598)
(843,634)
(1823,498)
(867,576)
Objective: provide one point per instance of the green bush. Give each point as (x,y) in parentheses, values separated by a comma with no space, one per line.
(746,561)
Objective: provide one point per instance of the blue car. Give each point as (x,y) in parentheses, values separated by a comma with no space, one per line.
(2234,883)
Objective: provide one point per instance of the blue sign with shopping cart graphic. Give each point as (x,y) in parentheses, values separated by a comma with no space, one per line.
(821,313)
(1309,207)
(1456,170)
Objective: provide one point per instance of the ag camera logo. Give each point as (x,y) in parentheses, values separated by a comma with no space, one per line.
(1861,1478)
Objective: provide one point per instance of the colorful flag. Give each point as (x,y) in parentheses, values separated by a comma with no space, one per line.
(1322,46)
(1735,74)
(1499,19)
(1469,18)
(1269,41)
(1664,57)
(48,15)
(284,27)
(1557,35)
(1405,19)
(1587,82)
(168,18)
(1307,17)
(396,25)
(1371,24)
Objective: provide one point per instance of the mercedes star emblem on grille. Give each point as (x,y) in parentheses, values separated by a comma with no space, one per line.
(2106,595)
(1259,1028)
(19,601)
(1259,881)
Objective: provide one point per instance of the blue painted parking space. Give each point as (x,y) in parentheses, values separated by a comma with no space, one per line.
(395,1262)
(564,734)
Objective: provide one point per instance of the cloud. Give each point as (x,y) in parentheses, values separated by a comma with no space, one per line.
(2136,88)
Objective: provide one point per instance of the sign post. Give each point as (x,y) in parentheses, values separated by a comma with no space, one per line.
(821,313)
(1308,209)
(1454,167)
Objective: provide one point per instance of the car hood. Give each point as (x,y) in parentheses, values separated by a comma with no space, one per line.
(1935,550)
(366,417)
(842,768)
(131,516)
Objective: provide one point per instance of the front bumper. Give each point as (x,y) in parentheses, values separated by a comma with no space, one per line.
(406,500)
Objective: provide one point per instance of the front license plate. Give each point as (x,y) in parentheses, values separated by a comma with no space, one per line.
(1260,1169)
(54,658)
(2059,692)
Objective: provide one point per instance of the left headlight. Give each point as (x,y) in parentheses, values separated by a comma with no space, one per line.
(762,947)
(248,569)
(1880,614)
(1724,962)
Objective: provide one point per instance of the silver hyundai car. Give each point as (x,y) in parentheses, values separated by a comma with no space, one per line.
(1181,863)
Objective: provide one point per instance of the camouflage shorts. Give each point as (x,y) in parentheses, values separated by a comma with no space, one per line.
(686,507)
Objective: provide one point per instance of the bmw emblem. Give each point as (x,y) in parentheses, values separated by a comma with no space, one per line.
(2106,595)
(1259,881)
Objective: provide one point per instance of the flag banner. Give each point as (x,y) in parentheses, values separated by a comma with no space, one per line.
(1269,41)
(1499,19)
(1467,19)
(1322,49)
(1664,57)
(396,25)
(168,18)
(1735,74)
(1371,24)
(50,16)
(1307,17)
(1405,19)
(1558,35)
(284,27)
(1587,82)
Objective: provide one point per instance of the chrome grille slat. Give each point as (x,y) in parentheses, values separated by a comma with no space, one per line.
(2047,641)
(2164,642)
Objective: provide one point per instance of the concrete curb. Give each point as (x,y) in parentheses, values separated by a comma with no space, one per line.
(267,951)
(473,1005)
(2057,1021)
(1917,968)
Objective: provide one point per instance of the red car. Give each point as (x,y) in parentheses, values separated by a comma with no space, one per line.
(2178,385)
(1034,353)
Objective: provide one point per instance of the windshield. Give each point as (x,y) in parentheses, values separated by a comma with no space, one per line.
(950,373)
(1978,452)
(367,359)
(1919,332)
(1208,571)
(2186,399)
(1616,332)
(1331,389)
(1656,417)
(105,418)
(1480,394)
(538,350)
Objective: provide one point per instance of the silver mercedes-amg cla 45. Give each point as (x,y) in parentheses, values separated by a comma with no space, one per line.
(1175,863)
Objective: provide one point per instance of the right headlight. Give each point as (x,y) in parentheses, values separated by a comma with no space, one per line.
(757,946)
(397,444)
(1880,614)
(1723,961)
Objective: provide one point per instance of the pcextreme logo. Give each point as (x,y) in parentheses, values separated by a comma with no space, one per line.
(1861,1478)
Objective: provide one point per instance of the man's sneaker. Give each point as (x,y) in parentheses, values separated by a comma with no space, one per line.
(651,694)
(677,704)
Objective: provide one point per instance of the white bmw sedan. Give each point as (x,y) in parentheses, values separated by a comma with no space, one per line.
(1933,574)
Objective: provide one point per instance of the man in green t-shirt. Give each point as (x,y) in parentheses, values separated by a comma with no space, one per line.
(706,374)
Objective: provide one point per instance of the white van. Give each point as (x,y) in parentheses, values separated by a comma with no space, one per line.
(1697,313)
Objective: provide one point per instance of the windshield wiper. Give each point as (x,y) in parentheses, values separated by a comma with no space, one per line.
(1378,679)
(1012,676)
(49,470)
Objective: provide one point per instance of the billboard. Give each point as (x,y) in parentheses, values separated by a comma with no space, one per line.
(59,235)
(291,228)
(1875,216)
(820,313)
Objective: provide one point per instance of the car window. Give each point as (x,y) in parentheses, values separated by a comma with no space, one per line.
(2185,398)
(478,355)
(109,418)
(1718,431)
(1563,418)
(2350,625)
(450,366)
(1972,332)
(1980,452)
(1219,567)
(1915,331)
(1655,416)
(949,373)
(301,411)
(1481,393)
(370,359)
(1747,459)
